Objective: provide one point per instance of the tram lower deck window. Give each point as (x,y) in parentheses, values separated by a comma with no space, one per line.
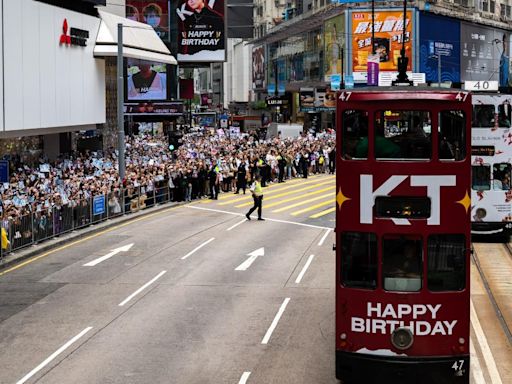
(446,263)
(402,263)
(359,260)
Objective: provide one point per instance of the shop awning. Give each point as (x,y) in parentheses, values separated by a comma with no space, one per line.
(140,41)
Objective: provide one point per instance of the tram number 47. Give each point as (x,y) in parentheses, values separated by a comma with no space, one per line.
(457,365)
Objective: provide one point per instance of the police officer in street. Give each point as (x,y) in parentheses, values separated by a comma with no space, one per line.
(257,195)
(241,178)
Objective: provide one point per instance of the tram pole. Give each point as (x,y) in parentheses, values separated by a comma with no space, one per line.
(120,100)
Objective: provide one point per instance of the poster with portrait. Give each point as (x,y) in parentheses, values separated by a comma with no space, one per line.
(258,68)
(201,31)
(334,39)
(388,30)
(146,80)
(154,13)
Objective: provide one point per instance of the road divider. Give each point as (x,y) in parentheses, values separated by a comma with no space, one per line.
(321,242)
(273,326)
(237,224)
(114,252)
(197,249)
(306,266)
(142,288)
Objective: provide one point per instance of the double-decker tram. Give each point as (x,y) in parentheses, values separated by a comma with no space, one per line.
(403,235)
(491,195)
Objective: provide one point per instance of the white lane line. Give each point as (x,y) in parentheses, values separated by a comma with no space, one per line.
(476,367)
(142,288)
(484,347)
(114,252)
(244,377)
(321,242)
(237,224)
(267,219)
(197,248)
(273,326)
(301,274)
(53,356)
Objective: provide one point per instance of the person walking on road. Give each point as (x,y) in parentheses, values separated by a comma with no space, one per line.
(241,178)
(257,195)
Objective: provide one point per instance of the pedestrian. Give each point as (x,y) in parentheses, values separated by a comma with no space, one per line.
(257,195)
(241,182)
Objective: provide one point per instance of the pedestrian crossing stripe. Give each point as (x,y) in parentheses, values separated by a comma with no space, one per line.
(323,213)
(313,207)
(300,196)
(285,193)
(299,203)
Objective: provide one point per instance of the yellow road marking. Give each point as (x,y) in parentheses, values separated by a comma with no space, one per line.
(299,203)
(31,260)
(273,189)
(285,193)
(313,207)
(323,213)
(301,196)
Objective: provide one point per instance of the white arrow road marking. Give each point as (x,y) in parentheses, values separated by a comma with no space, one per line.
(142,288)
(252,257)
(244,377)
(53,356)
(197,248)
(276,320)
(114,252)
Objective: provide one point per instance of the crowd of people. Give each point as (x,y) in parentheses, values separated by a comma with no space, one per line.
(202,166)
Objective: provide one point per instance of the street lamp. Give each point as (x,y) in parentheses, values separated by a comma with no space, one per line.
(120,101)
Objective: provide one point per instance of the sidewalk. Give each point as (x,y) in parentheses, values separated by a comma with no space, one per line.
(19,255)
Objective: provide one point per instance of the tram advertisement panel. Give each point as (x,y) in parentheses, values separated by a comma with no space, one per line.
(154,13)
(388,39)
(334,39)
(201,31)
(484,51)
(436,38)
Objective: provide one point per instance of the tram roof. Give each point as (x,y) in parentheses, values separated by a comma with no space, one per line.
(404,93)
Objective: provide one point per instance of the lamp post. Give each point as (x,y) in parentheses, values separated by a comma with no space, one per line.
(120,100)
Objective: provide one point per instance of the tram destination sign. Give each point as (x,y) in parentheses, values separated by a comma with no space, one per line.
(481,86)
(483,150)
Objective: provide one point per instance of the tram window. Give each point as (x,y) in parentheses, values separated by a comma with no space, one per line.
(505,114)
(481,177)
(403,135)
(452,136)
(402,263)
(501,176)
(483,116)
(359,260)
(446,263)
(355,134)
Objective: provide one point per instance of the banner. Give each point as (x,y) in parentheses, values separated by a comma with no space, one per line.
(373,62)
(307,99)
(388,39)
(202,32)
(334,39)
(258,68)
(154,13)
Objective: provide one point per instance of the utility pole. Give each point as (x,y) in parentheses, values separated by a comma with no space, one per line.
(120,101)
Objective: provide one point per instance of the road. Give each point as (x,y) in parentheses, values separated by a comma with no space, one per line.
(192,294)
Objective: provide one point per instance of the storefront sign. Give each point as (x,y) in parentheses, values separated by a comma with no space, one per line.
(167,109)
(307,99)
(75,37)
(277,101)
(202,32)
(388,29)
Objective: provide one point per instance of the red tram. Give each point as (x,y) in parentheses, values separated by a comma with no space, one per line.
(403,236)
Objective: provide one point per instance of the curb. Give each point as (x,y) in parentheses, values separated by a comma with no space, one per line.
(30,251)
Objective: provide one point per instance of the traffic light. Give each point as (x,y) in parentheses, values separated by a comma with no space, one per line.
(175,140)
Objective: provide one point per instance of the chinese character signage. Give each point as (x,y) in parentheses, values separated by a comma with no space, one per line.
(154,13)
(201,31)
(388,39)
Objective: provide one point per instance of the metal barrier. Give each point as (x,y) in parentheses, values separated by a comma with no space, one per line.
(44,224)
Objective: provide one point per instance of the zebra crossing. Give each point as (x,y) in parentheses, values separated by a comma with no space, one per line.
(312,198)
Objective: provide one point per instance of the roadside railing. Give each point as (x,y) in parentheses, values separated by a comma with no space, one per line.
(45,224)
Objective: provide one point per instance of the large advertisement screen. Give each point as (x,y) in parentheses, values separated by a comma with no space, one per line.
(202,32)
(146,80)
(334,38)
(258,68)
(154,13)
(388,39)
(484,53)
(439,37)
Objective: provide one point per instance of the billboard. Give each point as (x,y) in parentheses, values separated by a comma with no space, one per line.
(388,39)
(201,31)
(146,80)
(334,40)
(154,13)
(439,36)
(174,108)
(258,68)
(483,52)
